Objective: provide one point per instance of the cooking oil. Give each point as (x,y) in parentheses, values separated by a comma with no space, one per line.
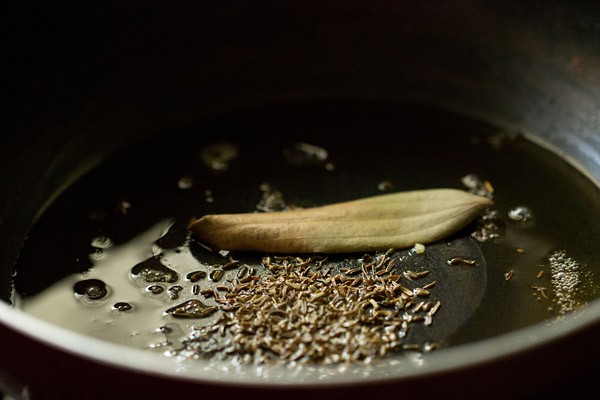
(112,257)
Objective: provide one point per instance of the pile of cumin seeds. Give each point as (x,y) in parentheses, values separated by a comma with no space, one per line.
(303,312)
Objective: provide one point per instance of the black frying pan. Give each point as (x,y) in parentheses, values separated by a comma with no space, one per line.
(142,73)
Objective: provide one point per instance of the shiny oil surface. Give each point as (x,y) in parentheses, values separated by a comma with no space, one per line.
(537,247)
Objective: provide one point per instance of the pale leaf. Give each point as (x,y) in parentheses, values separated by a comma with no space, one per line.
(388,221)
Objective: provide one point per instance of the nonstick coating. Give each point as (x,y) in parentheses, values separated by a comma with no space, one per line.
(87,81)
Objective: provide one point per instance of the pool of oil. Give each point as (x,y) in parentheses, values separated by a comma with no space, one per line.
(111,257)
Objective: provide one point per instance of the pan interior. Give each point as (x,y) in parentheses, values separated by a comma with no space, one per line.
(534,252)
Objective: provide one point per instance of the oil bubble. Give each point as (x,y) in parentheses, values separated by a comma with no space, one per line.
(152,270)
(271,200)
(192,309)
(164,329)
(91,289)
(219,156)
(96,253)
(122,306)
(185,182)
(305,154)
(384,186)
(101,242)
(520,213)
(155,289)
(174,291)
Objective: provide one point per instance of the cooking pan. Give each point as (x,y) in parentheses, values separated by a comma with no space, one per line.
(94,81)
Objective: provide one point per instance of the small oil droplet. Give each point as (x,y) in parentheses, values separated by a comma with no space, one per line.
(101,242)
(384,186)
(192,309)
(91,289)
(164,329)
(122,306)
(185,182)
(96,253)
(208,196)
(219,156)
(155,289)
(520,213)
(152,270)
(173,291)
(305,154)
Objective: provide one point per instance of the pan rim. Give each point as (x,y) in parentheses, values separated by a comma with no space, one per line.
(454,358)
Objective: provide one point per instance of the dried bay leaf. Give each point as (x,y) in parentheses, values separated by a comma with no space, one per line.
(394,220)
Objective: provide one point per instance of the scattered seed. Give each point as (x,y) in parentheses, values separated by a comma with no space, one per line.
(406,291)
(540,273)
(541,290)
(421,292)
(508,275)
(302,313)
(488,186)
(195,276)
(232,264)
(391,265)
(461,261)
(242,272)
(430,285)
(411,274)
(435,308)
(216,275)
